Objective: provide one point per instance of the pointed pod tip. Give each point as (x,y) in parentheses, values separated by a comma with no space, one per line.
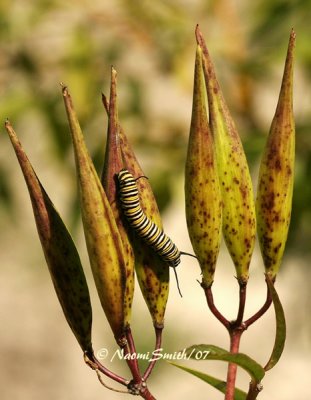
(9,128)
(66,96)
(113,72)
(292,40)
(64,88)
(198,34)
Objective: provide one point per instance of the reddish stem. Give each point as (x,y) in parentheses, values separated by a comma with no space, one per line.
(235,330)
(260,312)
(145,394)
(132,362)
(254,390)
(235,337)
(137,385)
(213,308)
(158,333)
(91,356)
(242,300)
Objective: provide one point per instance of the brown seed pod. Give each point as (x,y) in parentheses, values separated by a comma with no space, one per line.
(60,252)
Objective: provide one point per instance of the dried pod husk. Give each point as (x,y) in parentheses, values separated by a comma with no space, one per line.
(239,220)
(276,175)
(112,165)
(202,191)
(60,253)
(102,236)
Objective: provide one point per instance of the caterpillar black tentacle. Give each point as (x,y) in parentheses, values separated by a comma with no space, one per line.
(145,228)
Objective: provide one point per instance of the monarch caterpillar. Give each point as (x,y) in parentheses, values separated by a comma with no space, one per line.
(145,228)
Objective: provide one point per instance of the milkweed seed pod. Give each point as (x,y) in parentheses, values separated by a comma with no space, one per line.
(202,191)
(104,243)
(276,175)
(151,271)
(112,165)
(239,221)
(60,253)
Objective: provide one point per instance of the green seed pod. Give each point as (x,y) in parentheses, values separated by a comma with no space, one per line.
(102,236)
(276,175)
(202,191)
(60,253)
(239,222)
(112,166)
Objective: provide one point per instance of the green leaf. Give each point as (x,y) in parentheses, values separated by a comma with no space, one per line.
(215,382)
(280,335)
(211,352)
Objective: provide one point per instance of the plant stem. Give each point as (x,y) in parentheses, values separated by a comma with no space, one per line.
(260,312)
(213,308)
(138,384)
(132,361)
(91,361)
(145,394)
(242,300)
(158,333)
(235,329)
(253,392)
(235,337)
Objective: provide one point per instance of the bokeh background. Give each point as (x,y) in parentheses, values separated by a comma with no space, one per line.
(152,46)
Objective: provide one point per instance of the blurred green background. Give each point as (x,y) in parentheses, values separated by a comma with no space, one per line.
(152,46)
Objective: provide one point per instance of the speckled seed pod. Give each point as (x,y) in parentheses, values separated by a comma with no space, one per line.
(151,271)
(239,221)
(112,165)
(102,237)
(60,253)
(276,176)
(202,191)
